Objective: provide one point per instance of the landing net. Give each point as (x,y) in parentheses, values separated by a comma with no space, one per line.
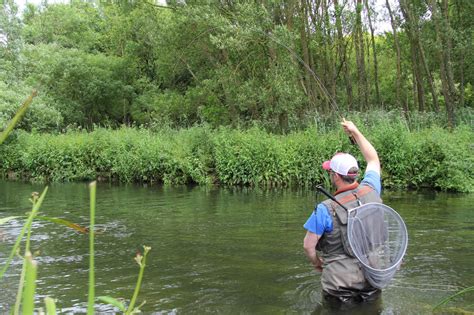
(378,237)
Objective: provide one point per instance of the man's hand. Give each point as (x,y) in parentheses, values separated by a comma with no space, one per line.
(318,265)
(366,148)
(349,127)
(310,242)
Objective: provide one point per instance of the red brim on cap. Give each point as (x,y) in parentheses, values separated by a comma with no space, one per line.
(327,165)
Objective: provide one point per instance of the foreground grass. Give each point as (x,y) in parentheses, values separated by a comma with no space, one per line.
(430,157)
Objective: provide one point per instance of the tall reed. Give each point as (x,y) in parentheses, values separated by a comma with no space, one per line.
(27,285)
(19,114)
(91,295)
(452,297)
(30,285)
(26,227)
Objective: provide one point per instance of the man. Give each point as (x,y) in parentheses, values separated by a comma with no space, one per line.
(342,278)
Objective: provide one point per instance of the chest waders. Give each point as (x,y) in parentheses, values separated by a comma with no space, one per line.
(342,273)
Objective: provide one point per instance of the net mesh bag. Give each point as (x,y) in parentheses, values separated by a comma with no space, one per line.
(378,237)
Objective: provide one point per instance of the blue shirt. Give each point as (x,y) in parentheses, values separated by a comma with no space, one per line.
(320,221)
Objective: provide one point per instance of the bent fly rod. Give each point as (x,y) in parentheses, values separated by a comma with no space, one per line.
(321,86)
(318,81)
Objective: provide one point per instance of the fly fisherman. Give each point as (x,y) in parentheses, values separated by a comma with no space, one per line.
(342,278)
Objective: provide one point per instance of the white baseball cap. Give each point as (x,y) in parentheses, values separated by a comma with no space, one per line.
(341,163)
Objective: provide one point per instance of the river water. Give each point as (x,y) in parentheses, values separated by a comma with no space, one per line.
(223,250)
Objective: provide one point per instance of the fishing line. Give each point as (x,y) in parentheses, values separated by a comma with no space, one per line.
(321,86)
(316,78)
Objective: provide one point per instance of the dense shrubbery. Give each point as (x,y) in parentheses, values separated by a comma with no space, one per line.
(431,157)
(41,117)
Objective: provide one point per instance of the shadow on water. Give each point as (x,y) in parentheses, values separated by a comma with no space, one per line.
(225,251)
(330,307)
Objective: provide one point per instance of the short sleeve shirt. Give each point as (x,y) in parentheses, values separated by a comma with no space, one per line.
(320,221)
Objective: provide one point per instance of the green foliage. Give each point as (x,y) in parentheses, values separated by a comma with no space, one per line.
(223,64)
(88,88)
(39,117)
(429,157)
(452,297)
(74,25)
(27,286)
(256,157)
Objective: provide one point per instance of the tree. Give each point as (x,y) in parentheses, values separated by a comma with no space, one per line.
(401,98)
(374,51)
(10,40)
(444,47)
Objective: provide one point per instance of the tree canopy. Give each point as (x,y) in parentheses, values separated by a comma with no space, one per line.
(280,64)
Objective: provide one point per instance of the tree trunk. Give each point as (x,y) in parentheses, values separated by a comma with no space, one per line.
(341,48)
(444,55)
(306,53)
(320,83)
(412,19)
(376,70)
(328,40)
(360,59)
(461,54)
(401,99)
(415,56)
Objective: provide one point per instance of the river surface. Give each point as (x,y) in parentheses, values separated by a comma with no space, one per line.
(223,250)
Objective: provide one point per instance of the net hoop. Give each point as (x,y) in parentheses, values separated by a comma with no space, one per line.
(389,219)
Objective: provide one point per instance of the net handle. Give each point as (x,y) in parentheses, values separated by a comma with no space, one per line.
(325,192)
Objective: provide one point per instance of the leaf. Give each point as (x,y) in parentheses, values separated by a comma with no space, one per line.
(67,223)
(112,301)
(50,306)
(451,297)
(21,111)
(30,284)
(5,220)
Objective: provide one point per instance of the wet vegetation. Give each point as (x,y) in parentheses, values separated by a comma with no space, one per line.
(427,156)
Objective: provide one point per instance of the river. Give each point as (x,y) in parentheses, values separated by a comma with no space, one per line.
(223,250)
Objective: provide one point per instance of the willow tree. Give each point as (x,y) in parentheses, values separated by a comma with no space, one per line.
(413,32)
(401,97)
(374,52)
(342,43)
(444,47)
(362,82)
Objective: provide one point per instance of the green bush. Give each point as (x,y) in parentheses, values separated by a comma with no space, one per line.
(432,157)
(41,116)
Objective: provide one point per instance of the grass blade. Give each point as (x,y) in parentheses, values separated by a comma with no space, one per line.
(113,302)
(90,303)
(17,117)
(28,225)
(5,220)
(67,223)
(50,306)
(33,213)
(30,285)
(141,260)
(449,298)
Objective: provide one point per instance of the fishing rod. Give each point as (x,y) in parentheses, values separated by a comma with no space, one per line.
(319,82)
(321,86)
(316,78)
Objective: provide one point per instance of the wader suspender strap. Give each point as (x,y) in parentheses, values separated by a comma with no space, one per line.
(363,190)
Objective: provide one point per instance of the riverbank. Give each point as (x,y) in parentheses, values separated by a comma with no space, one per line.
(432,157)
